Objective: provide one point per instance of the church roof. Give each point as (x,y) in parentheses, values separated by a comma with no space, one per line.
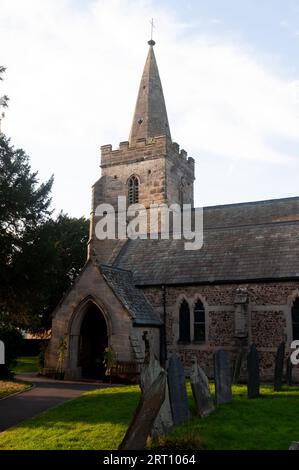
(132,298)
(150,116)
(242,242)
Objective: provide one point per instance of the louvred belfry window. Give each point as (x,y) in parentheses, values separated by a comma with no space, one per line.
(133,190)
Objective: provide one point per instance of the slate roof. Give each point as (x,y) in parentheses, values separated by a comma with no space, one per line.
(132,298)
(242,242)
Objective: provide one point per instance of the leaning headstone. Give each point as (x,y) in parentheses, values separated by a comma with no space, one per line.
(253,368)
(222,375)
(149,372)
(278,373)
(177,390)
(294,446)
(145,415)
(289,373)
(201,390)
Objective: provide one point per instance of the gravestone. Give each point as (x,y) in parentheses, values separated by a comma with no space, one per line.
(145,415)
(289,374)
(177,390)
(253,368)
(294,446)
(278,373)
(222,375)
(238,366)
(201,390)
(149,372)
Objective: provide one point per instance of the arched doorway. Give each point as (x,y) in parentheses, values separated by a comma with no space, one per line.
(92,343)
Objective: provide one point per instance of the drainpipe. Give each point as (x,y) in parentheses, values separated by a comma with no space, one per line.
(163,347)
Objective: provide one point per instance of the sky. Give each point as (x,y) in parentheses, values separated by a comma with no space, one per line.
(230,74)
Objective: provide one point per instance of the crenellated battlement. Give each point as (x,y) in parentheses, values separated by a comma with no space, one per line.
(143,149)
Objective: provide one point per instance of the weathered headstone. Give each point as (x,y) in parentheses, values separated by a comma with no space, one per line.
(238,366)
(294,446)
(289,373)
(177,390)
(222,375)
(149,372)
(278,373)
(145,415)
(201,390)
(253,368)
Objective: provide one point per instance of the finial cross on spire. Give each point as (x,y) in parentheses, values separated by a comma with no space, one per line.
(152,28)
(151,42)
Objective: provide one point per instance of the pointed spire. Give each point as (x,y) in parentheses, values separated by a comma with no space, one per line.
(150,117)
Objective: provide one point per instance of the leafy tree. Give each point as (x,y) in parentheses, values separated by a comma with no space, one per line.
(51,259)
(3,99)
(39,257)
(24,206)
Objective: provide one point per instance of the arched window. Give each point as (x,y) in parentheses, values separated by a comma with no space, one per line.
(199,322)
(295,319)
(133,190)
(184,320)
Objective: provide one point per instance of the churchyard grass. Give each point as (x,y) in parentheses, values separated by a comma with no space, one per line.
(265,423)
(96,420)
(99,419)
(26,364)
(7,387)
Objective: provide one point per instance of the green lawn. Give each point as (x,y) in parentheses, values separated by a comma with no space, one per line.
(26,364)
(99,419)
(267,423)
(7,387)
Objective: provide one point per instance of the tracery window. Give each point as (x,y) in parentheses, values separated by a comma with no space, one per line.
(199,322)
(133,190)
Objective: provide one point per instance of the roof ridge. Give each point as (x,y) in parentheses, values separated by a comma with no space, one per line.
(263,201)
(262,224)
(113,268)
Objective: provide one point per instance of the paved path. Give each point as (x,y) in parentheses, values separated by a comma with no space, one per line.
(44,394)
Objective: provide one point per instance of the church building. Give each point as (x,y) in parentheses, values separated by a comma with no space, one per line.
(241,287)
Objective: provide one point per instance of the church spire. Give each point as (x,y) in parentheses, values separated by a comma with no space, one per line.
(150,116)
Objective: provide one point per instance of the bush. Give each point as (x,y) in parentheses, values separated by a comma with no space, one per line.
(12,339)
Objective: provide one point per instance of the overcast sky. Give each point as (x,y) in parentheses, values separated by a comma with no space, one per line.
(229,69)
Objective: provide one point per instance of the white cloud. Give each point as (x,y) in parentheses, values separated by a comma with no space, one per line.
(73,75)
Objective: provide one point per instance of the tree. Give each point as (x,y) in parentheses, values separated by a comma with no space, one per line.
(3,99)
(51,259)
(24,206)
(39,257)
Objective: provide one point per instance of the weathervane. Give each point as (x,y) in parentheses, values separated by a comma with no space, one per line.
(151,42)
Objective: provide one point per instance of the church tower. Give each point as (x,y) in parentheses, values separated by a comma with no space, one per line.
(148,168)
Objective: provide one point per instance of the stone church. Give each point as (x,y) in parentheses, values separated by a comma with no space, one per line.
(241,287)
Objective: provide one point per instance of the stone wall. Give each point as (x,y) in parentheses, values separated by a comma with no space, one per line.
(165,176)
(164,171)
(269,319)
